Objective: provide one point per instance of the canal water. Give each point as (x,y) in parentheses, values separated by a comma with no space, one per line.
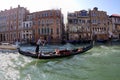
(100,63)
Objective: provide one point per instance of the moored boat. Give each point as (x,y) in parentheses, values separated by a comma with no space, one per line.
(8,46)
(51,55)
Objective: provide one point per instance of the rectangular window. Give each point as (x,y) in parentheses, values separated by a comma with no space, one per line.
(38,23)
(79,20)
(51,31)
(57,30)
(51,13)
(47,30)
(42,30)
(38,31)
(30,24)
(83,21)
(88,21)
(26,26)
(33,22)
(33,32)
(57,13)
(42,24)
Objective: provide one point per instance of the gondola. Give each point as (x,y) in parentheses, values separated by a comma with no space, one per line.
(51,55)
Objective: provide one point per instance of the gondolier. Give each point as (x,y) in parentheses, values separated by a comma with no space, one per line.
(37,45)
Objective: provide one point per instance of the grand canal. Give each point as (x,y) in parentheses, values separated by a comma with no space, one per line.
(100,63)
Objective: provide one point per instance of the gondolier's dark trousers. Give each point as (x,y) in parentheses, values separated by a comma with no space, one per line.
(37,49)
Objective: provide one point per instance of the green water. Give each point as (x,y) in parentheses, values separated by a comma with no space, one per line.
(100,63)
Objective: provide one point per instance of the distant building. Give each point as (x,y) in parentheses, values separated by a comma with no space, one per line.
(84,25)
(19,24)
(47,24)
(79,26)
(27,31)
(115,26)
(11,23)
(99,24)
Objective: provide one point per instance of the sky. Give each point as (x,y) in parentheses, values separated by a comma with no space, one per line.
(110,6)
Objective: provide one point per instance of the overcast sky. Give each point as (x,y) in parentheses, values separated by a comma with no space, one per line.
(110,6)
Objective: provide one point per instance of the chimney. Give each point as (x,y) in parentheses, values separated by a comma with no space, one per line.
(18,6)
(95,8)
(11,7)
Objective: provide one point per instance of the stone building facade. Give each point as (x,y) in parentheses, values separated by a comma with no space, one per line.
(79,26)
(99,24)
(11,23)
(27,31)
(115,30)
(84,25)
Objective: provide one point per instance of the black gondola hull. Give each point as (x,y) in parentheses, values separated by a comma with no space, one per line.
(50,55)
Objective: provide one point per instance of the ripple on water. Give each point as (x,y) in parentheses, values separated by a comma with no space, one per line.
(10,65)
(99,63)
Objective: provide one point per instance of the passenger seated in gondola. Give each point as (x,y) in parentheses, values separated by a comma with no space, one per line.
(62,52)
(79,49)
(57,51)
(65,52)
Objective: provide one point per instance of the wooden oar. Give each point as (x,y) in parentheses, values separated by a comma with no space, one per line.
(39,53)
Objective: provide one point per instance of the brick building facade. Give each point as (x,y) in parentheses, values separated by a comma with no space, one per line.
(48,25)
